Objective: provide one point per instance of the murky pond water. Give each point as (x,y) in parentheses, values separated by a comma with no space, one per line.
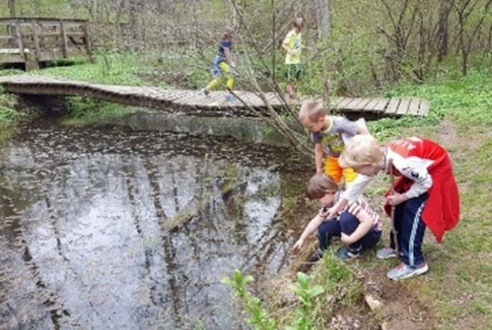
(110,228)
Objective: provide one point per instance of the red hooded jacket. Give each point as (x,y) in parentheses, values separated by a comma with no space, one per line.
(442,209)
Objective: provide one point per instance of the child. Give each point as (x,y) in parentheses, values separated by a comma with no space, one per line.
(425,195)
(221,66)
(329,134)
(358,225)
(292,44)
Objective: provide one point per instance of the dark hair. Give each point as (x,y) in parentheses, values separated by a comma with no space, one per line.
(298,22)
(227,34)
(319,184)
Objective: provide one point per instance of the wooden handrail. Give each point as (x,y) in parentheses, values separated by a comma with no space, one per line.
(44,39)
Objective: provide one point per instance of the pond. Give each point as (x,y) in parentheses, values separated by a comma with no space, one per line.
(117,228)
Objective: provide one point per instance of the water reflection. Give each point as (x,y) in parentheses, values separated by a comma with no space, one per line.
(111,229)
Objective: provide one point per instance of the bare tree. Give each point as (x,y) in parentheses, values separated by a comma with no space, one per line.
(443,29)
(464,10)
(402,22)
(12,11)
(323,16)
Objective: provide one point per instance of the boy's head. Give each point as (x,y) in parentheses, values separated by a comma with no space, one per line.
(227,34)
(322,188)
(313,116)
(364,154)
(298,23)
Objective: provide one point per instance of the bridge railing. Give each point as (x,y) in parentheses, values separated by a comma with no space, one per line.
(32,41)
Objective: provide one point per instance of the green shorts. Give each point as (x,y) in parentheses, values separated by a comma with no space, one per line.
(293,72)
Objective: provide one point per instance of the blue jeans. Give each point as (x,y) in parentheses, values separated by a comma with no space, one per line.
(411,229)
(347,224)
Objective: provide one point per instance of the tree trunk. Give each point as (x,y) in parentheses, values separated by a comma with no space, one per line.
(323,13)
(133,20)
(12,12)
(443,29)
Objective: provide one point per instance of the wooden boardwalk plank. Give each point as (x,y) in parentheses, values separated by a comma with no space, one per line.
(392,105)
(339,100)
(377,105)
(403,106)
(159,98)
(413,108)
(361,105)
(423,108)
(274,99)
(342,105)
(352,104)
(334,101)
(197,99)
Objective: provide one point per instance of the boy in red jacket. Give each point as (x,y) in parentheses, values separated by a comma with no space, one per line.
(425,194)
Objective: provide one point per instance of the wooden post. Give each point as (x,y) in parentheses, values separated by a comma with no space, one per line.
(88,46)
(18,37)
(29,62)
(37,46)
(64,39)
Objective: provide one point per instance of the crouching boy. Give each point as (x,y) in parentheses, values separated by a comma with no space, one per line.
(425,194)
(358,226)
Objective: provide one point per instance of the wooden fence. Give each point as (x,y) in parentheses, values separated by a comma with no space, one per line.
(32,41)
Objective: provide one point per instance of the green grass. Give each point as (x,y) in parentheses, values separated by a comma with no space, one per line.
(111,69)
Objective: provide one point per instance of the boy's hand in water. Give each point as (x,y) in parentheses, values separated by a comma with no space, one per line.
(298,246)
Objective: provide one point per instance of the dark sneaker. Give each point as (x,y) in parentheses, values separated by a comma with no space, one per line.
(346,253)
(403,271)
(317,254)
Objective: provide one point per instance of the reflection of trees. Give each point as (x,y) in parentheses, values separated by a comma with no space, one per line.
(169,251)
(98,236)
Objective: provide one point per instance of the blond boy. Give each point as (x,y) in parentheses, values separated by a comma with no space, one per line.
(424,196)
(329,135)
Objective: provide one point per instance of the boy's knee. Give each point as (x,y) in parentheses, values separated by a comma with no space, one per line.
(348,222)
(330,228)
(348,218)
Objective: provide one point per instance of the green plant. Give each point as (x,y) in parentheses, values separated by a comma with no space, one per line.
(306,295)
(258,316)
(8,104)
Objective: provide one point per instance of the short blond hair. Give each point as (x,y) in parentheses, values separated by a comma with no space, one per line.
(319,184)
(362,149)
(312,110)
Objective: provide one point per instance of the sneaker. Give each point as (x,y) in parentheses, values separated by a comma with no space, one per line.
(317,254)
(206,92)
(386,253)
(346,253)
(231,98)
(404,271)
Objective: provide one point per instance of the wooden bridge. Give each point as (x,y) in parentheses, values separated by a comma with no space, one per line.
(34,41)
(192,102)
